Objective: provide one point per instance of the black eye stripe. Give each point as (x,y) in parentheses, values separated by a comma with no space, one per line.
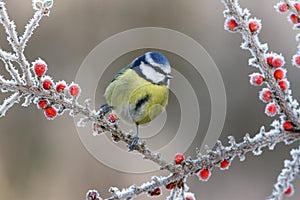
(159,70)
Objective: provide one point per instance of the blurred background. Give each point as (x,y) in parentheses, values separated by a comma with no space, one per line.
(46,159)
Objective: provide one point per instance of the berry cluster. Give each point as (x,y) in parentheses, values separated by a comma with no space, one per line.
(254,25)
(204,173)
(294,9)
(60,89)
(275,63)
(178,186)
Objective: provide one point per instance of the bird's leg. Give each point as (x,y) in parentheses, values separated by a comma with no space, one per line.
(104,109)
(135,139)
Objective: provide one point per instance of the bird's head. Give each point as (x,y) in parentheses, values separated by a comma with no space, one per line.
(154,67)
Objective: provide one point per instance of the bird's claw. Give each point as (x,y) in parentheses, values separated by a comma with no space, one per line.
(133,144)
(104,109)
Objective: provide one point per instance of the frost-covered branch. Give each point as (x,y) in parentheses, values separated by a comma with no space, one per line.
(284,181)
(53,98)
(269,64)
(277,94)
(220,158)
(12,38)
(30,84)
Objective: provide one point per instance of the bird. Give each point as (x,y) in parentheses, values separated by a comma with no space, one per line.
(139,92)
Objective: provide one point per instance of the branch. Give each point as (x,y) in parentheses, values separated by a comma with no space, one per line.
(13,40)
(212,159)
(249,28)
(288,174)
(30,27)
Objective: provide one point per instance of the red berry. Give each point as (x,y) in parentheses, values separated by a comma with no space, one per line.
(47,84)
(189,197)
(74,90)
(179,158)
(50,112)
(294,18)
(269,60)
(279,74)
(277,62)
(287,126)
(40,69)
(224,164)
(289,191)
(283,7)
(297,7)
(253,26)
(112,118)
(60,87)
(42,103)
(297,60)
(231,24)
(170,186)
(204,174)
(256,79)
(271,109)
(283,85)
(266,95)
(155,192)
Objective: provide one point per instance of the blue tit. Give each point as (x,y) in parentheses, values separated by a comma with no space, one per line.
(140,91)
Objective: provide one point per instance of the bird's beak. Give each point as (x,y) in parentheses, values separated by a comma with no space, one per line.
(169,76)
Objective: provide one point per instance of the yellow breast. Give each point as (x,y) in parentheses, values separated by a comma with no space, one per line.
(134,99)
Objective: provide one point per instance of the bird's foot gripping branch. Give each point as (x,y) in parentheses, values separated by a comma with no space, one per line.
(29,83)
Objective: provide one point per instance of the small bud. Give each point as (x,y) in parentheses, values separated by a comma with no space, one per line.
(180,183)
(271,109)
(287,126)
(204,174)
(179,158)
(50,112)
(93,195)
(46,11)
(47,84)
(38,5)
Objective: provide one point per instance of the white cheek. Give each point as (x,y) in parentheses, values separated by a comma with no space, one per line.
(151,74)
(167,69)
